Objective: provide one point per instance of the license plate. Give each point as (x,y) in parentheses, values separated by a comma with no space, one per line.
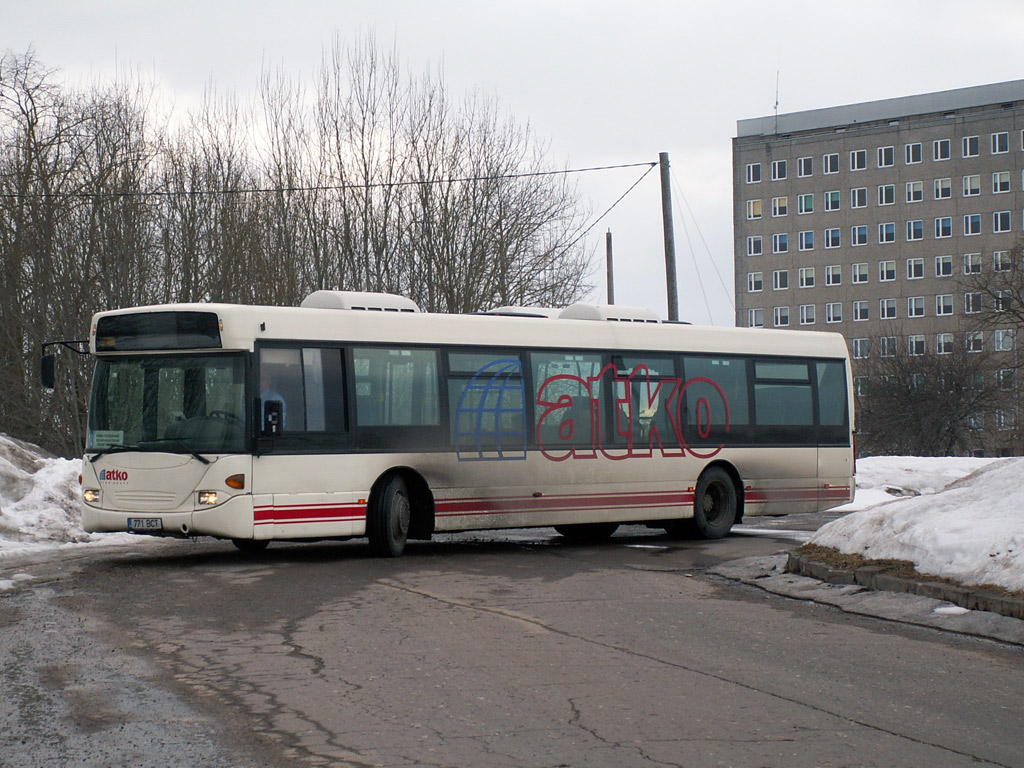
(145,524)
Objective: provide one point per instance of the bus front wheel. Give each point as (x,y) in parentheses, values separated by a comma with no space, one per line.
(714,503)
(387,520)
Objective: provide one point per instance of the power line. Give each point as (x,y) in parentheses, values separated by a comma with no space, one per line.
(324,187)
(620,199)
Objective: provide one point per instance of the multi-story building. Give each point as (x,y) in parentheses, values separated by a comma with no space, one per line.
(865,219)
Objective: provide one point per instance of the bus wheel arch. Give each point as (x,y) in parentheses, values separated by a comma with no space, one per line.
(400,507)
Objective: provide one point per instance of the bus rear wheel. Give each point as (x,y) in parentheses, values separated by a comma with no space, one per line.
(388,517)
(714,504)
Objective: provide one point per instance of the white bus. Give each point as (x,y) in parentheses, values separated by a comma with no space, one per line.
(356,415)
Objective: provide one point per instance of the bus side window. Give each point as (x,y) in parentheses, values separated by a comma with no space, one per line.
(281,381)
(396,387)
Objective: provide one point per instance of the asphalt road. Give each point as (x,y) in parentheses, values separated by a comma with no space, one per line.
(511,649)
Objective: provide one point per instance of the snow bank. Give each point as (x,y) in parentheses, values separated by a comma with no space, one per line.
(970,530)
(38,499)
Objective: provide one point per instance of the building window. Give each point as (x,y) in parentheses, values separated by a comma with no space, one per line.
(915,230)
(859,197)
(834,312)
(915,306)
(974,341)
(1001,261)
(833,274)
(1002,301)
(915,345)
(1001,221)
(943,266)
(830,163)
(753,209)
(886,157)
(754,245)
(780,206)
(887,309)
(805,203)
(753,173)
(832,200)
(1006,420)
(805,240)
(972,263)
(806,277)
(972,303)
(1004,378)
(1000,182)
(915,269)
(861,348)
(886,194)
(972,224)
(861,311)
(781,318)
(859,235)
(887,232)
(860,385)
(780,280)
(832,239)
(755,318)
(943,189)
(780,243)
(940,149)
(944,227)
(778,170)
(887,346)
(943,343)
(806,314)
(859,273)
(915,191)
(858,160)
(944,304)
(912,152)
(970,146)
(805,167)
(1003,339)
(972,185)
(1000,143)
(755,282)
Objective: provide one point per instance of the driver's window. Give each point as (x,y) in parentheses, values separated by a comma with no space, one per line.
(280,380)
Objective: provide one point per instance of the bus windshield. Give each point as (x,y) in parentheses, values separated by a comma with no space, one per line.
(173,403)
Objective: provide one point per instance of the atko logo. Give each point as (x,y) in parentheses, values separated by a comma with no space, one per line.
(113,476)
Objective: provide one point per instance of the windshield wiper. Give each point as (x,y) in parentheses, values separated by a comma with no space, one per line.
(146,449)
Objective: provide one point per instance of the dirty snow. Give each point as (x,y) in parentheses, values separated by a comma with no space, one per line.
(955,517)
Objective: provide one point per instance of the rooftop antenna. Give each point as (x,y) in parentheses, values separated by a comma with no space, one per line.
(776,101)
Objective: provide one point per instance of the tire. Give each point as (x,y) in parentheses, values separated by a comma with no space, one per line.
(714,504)
(388,518)
(251,546)
(587,532)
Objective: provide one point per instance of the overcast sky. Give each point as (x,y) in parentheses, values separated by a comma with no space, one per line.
(605,82)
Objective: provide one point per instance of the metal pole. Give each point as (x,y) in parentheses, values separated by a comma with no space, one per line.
(670,239)
(608,266)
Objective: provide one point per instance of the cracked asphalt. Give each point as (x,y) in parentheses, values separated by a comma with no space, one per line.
(509,649)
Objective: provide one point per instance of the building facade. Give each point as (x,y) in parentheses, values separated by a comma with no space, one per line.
(870,219)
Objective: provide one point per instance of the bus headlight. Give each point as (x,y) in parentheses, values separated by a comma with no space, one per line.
(207,498)
(91,495)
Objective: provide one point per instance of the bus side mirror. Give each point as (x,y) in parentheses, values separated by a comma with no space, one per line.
(47,374)
(273,411)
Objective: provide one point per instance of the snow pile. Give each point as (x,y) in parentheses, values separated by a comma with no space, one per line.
(970,530)
(38,498)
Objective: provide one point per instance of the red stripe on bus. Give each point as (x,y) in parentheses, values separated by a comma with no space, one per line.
(309,513)
(561,503)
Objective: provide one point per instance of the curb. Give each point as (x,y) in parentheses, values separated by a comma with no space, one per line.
(875,577)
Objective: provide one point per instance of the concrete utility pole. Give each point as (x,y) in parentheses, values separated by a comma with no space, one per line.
(670,239)
(608,266)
